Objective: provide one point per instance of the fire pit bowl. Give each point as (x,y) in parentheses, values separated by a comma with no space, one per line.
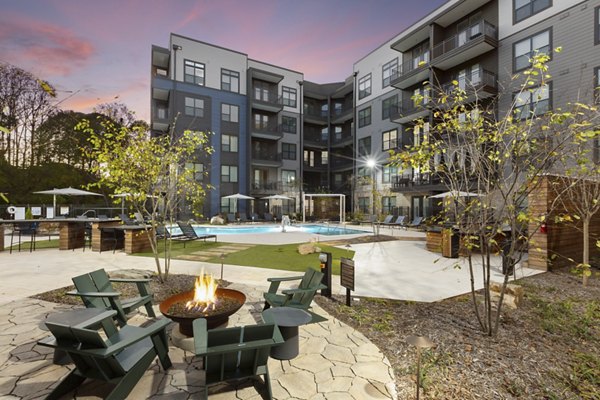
(213,318)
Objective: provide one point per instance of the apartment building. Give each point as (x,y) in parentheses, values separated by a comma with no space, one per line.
(277,133)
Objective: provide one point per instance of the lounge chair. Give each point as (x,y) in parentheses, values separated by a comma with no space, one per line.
(234,353)
(415,223)
(188,234)
(243,217)
(387,220)
(399,222)
(96,290)
(268,217)
(300,297)
(230,217)
(121,359)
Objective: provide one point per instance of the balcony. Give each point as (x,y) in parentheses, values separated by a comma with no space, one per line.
(315,116)
(315,167)
(410,73)
(416,182)
(476,40)
(269,101)
(341,164)
(481,85)
(342,141)
(266,131)
(266,158)
(315,139)
(339,116)
(409,110)
(265,187)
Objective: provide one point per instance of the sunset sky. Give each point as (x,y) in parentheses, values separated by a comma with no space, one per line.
(98,51)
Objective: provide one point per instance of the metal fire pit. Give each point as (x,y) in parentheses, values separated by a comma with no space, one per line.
(212,321)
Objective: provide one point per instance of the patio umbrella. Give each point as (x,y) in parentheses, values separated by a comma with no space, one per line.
(66,192)
(238,197)
(455,193)
(277,197)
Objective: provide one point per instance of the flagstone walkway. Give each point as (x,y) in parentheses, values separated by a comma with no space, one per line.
(207,254)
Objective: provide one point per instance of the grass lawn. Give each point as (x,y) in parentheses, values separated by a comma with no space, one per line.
(39,244)
(285,257)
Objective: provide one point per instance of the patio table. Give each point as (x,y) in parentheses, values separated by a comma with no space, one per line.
(288,320)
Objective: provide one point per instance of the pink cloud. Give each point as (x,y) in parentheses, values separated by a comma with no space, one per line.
(49,48)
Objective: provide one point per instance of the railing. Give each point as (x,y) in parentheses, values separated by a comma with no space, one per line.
(271,99)
(415,179)
(316,113)
(409,106)
(483,78)
(266,186)
(266,155)
(268,128)
(317,139)
(465,37)
(410,65)
(343,112)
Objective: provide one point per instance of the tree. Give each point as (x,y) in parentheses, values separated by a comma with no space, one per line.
(501,159)
(25,102)
(121,115)
(151,172)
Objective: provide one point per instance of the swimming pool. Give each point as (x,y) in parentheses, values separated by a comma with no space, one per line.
(328,230)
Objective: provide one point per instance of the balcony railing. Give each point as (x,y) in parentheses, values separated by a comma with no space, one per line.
(465,37)
(271,186)
(410,65)
(265,155)
(414,179)
(316,113)
(480,79)
(273,129)
(272,99)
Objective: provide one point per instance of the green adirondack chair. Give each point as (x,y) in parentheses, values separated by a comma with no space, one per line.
(235,353)
(121,359)
(96,290)
(300,297)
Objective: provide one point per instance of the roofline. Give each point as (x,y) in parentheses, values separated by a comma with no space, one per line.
(277,66)
(208,44)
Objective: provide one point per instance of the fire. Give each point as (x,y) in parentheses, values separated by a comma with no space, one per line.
(205,297)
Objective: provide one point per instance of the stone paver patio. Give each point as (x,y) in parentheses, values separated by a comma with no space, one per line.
(335,362)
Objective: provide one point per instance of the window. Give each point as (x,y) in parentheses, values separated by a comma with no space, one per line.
(338,133)
(363,172)
(324,157)
(364,86)
(194,107)
(526,8)
(597,25)
(288,177)
(420,57)
(261,121)
(390,139)
(535,101)
(364,146)
(229,173)
(363,205)
(288,151)
(364,117)
(193,72)
(388,172)
(288,124)
(197,170)
(309,158)
(388,70)
(388,105)
(289,96)
(230,80)
(421,96)
(228,205)
(525,49)
(325,134)
(229,113)
(261,91)
(388,204)
(229,143)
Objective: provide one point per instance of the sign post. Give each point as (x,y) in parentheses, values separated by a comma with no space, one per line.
(347,277)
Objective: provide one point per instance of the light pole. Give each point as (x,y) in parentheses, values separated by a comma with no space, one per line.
(420,342)
(222,259)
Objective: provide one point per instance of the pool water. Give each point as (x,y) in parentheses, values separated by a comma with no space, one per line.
(327,230)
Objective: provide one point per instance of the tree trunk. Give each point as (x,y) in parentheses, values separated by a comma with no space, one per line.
(586,249)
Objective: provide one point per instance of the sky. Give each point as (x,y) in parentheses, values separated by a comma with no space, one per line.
(98,51)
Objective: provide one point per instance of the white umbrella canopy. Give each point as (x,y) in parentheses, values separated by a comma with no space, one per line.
(237,197)
(66,192)
(455,193)
(123,196)
(277,197)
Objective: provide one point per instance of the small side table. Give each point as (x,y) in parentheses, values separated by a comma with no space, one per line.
(288,320)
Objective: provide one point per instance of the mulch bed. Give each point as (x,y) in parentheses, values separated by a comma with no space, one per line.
(549,348)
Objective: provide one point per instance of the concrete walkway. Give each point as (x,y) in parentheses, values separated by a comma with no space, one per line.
(335,361)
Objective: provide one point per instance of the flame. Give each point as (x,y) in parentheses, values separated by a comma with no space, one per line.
(205,293)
